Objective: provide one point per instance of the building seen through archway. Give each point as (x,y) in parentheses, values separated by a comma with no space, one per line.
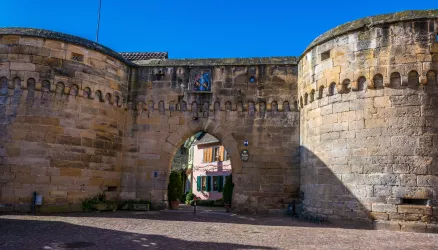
(203,164)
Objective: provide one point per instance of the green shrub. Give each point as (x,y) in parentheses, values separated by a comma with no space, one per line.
(87,204)
(175,187)
(190,197)
(228,189)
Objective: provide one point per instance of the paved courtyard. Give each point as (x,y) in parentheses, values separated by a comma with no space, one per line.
(182,230)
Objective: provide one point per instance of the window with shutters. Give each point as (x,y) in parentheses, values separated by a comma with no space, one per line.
(215,155)
(204,183)
(215,183)
(208,152)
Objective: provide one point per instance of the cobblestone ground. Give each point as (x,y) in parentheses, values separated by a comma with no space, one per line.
(182,230)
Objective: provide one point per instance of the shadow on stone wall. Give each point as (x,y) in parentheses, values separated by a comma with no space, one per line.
(324,194)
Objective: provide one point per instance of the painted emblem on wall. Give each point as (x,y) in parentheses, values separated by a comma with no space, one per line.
(202,80)
(244,155)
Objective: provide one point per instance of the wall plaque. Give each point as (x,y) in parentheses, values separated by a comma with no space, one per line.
(244,155)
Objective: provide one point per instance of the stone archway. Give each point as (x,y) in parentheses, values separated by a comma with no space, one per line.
(177,138)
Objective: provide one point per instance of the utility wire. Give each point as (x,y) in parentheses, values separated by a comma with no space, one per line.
(98,22)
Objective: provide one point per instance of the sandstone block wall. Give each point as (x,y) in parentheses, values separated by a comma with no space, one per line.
(369,121)
(61,121)
(167,113)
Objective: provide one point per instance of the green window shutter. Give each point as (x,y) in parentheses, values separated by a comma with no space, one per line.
(198,183)
(220,183)
(208,183)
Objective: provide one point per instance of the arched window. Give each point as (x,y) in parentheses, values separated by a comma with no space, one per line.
(228,106)
(361,81)
(4,86)
(74,90)
(194,107)
(17,83)
(87,93)
(413,80)
(320,91)
(217,106)
(45,86)
(183,106)
(312,95)
(306,99)
(395,80)
(378,81)
(431,77)
(172,106)
(117,101)
(108,98)
(60,88)
(151,106)
(274,106)
(346,86)
(30,89)
(332,88)
(239,106)
(251,107)
(161,107)
(286,106)
(99,96)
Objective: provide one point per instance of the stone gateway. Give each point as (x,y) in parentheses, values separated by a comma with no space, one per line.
(349,130)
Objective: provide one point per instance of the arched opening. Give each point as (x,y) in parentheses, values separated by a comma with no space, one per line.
(378,81)
(431,77)
(200,168)
(346,86)
(312,95)
(361,81)
(332,88)
(395,80)
(413,79)
(320,91)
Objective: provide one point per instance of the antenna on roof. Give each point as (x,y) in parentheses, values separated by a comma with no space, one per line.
(98,22)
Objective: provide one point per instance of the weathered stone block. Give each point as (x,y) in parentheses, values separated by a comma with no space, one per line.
(415,209)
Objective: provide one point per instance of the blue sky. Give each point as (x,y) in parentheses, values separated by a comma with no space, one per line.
(195,28)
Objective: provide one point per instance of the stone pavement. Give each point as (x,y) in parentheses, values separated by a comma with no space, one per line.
(209,229)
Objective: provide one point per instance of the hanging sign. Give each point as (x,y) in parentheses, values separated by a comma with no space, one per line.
(245,143)
(244,155)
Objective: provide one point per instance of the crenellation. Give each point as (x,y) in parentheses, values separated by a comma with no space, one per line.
(351,123)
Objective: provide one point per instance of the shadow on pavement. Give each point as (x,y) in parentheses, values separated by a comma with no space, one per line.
(213,216)
(37,234)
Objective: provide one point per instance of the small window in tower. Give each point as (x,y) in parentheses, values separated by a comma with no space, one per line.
(77,57)
(422,202)
(325,55)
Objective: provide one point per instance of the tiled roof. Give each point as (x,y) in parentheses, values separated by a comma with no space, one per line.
(135,56)
(206,139)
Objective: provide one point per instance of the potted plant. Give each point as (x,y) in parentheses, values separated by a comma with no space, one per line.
(228,192)
(174,189)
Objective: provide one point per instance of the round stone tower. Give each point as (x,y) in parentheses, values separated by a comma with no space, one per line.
(368,96)
(61,118)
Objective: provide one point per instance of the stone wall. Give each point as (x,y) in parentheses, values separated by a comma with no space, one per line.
(61,122)
(167,113)
(369,120)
